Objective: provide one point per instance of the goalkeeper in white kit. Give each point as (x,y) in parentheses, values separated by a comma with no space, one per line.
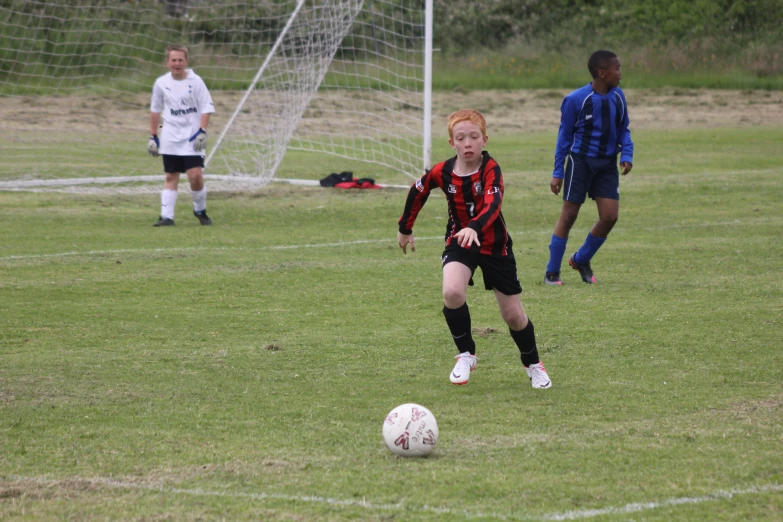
(182,103)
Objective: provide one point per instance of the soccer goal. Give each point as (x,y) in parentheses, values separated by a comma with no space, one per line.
(301,88)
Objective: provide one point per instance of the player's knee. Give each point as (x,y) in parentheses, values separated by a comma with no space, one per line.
(609,220)
(516,323)
(513,315)
(453,298)
(568,218)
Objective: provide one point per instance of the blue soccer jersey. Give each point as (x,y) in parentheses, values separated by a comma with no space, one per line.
(593,125)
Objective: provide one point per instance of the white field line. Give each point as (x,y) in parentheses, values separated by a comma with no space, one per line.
(307,499)
(644,506)
(201,249)
(22,184)
(350,243)
(314,499)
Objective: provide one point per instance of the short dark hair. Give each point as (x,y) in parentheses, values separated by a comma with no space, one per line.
(599,60)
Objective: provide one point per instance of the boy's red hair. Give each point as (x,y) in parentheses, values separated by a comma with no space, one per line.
(470,115)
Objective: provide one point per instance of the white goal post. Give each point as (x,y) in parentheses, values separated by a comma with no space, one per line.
(302,88)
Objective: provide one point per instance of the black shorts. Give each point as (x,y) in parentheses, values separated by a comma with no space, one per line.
(500,273)
(172,164)
(594,177)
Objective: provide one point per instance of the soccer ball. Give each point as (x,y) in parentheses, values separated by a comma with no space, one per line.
(410,430)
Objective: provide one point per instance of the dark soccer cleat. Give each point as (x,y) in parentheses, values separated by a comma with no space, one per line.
(164,222)
(584,270)
(552,278)
(203,218)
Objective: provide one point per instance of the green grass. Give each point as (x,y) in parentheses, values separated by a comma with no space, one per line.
(527,68)
(511,68)
(487,77)
(243,371)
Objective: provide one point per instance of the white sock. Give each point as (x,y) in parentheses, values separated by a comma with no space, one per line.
(200,199)
(168,201)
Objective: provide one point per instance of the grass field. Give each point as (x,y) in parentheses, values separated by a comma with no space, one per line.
(244,371)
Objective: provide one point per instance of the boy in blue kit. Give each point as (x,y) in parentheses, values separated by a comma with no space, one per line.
(593,131)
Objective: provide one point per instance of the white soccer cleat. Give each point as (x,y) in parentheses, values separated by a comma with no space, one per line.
(538,376)
(466,363)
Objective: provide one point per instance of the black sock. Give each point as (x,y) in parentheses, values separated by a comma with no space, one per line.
(526,342)
(458,320)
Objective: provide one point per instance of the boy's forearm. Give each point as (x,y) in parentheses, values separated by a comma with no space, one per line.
(408,218)
(564,140)
(405,224)
(205,120)
(560,156)
(626,148)
(154,122)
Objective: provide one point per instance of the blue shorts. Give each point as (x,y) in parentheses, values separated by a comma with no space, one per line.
(174,164)
(594,177)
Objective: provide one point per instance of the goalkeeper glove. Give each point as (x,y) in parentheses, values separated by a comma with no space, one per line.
(200,139)
(152,145)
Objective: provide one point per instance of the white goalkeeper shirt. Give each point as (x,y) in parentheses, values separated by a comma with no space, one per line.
(180,104)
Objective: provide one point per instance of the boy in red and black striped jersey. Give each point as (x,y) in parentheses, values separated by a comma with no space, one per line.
(476,236)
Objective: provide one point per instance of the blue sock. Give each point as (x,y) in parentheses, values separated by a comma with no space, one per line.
(589,248)
(556,250)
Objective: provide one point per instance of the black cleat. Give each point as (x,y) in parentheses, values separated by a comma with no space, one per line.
(164,222)
(584,270)
(552,278)
(203,218)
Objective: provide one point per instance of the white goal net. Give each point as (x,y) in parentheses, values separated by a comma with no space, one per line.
(302,88)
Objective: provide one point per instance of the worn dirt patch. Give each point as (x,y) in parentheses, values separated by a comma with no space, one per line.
(763,407)
(518,112)
(509,112)
(484,331)
(32,489)
(49,136)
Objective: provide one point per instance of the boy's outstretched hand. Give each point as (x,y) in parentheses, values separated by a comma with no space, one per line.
(466,237)
(404,240)
(555,185)
(626,167)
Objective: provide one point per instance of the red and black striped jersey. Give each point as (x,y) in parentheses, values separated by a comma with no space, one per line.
(474,201)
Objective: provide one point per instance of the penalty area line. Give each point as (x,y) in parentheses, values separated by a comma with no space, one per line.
(646,506)
(333,244)
(206,249)
(315,499)
(310,499)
